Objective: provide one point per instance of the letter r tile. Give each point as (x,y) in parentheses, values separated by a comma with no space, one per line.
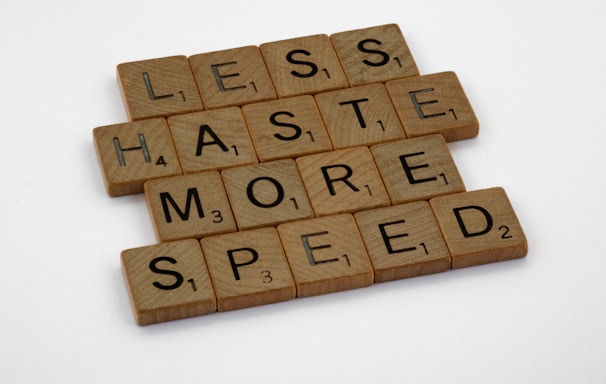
(479,227)
(232,77)
(168,281)
(342,181)
(189,206)
(326,255)
(433,103)
(248,268)
(132,153)
(158,87)
(403,241)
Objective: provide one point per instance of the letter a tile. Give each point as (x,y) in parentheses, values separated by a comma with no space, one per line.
(403,241)
(479,227)
(168,281)
(189,206)
(434,104)
(158,87)
(248,268)
(326,255)
(212,140)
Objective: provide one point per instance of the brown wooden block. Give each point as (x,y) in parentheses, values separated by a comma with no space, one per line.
(158,87)
(434,104)
(232,77)
(479,227)
(375,54)
(359,116)
(266,194)
(403,241)
(303,65)
(326,255)
(342,181)
(248,268)
(189,206)
(212,140)
(417,169)
(132,153)
(168,281)
(286,128)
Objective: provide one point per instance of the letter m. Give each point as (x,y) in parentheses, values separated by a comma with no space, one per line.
(167,199)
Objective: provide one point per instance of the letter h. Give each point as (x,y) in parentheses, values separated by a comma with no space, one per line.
(120,151)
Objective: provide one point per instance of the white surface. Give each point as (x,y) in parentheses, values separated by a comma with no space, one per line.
(534,73)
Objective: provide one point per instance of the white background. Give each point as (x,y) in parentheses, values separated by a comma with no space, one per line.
(534,73)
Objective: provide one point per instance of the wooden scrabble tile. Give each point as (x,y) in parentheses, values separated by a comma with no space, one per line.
(403,241)
(417,169)
(359,116)
(189,206)
(266,194)
(342,181)
(248,268)
(303,65)
(326,255)
(132,153)
(375,54)
(212,140)
(434,103)
(158,87)
(167,282)
(479,227)
(232,77)
(286,128)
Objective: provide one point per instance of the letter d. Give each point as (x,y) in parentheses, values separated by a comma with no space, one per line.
(474,219)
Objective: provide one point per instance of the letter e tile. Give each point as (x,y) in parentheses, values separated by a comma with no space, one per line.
(434,103)
(417,169)
(403,241)
(479,227)
(167,282)
(232,77)
(326,255)
(248,268)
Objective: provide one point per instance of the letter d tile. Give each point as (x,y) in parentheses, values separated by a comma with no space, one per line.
(479,227)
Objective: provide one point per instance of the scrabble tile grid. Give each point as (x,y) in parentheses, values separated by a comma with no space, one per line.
(291,220)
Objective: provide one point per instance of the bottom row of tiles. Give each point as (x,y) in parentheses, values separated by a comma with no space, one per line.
(186,278)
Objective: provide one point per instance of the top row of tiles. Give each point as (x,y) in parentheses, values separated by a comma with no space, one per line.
(234,77)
